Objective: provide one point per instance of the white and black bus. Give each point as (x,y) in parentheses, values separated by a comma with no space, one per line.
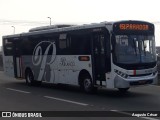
(109,54)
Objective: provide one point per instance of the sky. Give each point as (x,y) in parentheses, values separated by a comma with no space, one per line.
(26,14)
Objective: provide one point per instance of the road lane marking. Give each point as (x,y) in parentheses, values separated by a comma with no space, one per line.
(64,100)
(125,113)
(155,85)
(147,118)
(17,90)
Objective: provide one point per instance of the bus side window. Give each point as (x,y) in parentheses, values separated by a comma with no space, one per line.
(62,41)
(63,44)
(8,47)
(27,46)
(80,44)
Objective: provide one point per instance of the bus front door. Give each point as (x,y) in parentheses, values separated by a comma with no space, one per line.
(98,58)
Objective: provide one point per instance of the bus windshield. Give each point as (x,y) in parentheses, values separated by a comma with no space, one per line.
(134,49)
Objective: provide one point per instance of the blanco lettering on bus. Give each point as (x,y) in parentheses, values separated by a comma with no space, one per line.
(64,62)
(39,59)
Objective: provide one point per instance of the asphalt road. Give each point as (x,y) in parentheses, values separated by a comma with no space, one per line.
(15,95)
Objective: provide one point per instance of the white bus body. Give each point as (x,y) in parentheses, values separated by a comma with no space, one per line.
(89,56)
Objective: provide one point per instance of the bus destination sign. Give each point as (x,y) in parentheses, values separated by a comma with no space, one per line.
(130,26)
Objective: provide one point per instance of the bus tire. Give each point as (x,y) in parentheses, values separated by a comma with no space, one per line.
(123,90)
(29,77)
(87,85)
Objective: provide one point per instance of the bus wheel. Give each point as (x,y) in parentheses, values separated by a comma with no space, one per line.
(29,77)
(88,86)
(123,89)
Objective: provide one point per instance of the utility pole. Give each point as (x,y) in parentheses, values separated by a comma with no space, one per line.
(13,29)
(50,20)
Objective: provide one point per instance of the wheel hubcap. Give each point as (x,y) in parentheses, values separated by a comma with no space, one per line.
(29,78)
(87,83)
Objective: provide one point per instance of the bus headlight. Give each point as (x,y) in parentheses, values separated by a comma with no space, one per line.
(124,75)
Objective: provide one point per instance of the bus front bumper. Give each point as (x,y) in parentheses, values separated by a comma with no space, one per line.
(120,82)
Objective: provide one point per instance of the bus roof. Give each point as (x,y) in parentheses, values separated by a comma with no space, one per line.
(59,28)
(50,27)
(66,27)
